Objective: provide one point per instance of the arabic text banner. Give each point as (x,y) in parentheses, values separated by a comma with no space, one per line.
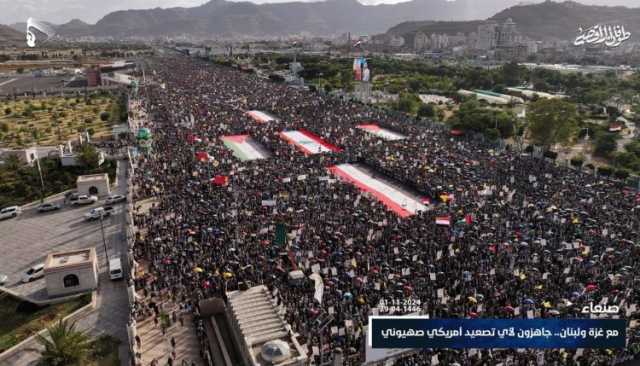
(420,332)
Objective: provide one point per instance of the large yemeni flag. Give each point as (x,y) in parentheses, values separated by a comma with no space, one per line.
(381,132)
(398,200)
(260,117)
(308,142)
(244,147)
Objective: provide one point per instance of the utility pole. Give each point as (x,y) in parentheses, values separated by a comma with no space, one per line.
(41,180)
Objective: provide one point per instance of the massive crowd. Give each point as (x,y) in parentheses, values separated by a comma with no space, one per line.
(527,238)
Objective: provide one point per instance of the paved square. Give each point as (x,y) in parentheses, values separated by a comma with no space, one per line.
(27,239)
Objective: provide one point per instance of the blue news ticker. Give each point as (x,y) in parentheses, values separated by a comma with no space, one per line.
(420,332)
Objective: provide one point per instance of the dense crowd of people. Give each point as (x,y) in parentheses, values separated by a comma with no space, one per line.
(527,238)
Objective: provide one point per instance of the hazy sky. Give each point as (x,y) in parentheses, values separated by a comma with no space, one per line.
(60,11)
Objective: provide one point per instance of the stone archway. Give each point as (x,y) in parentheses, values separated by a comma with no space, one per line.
(93,190)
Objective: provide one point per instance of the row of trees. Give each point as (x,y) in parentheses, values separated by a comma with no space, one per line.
(493,123)
(420,76)
(20,184)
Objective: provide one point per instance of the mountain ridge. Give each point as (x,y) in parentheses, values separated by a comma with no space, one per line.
(10,36)
(222,18)
(321,18)
(541,21)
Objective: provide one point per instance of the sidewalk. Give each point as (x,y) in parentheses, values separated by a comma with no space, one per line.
(156,346)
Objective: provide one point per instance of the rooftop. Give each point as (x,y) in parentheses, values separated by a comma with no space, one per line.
(92,177)
(259,323)
(64,259)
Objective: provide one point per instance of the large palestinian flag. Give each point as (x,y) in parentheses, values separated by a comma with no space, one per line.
(390,193)
(260,117)
(244,147)
(308,142)
(381,132)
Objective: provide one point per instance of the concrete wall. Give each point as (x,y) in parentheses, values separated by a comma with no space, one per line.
(102,186)
(87,276)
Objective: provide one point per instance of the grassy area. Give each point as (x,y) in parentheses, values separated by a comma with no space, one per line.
(20,319)
(105,352)
(21,184)
(54,120)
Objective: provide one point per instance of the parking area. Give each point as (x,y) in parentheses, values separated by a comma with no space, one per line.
(27,239)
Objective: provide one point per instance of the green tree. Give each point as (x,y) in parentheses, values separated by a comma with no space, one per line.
(28,112)
(89,156)
(4,127)
(104,116)
(627,160)
(512,73)
(64,346)
(415,85)
(408,103)
(426,110)
(36,135)
(605,145)
(551,121)
(7,111)
(12,162)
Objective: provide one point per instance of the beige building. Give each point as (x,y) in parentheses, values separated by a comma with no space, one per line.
(249,330)
(71,272)
(94,184)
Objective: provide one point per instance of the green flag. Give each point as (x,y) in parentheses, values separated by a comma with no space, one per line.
(281,234)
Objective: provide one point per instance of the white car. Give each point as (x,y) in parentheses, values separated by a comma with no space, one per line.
(115,199)
(33,273)
(98,212)
(85,200)
(3,279)
(9,212)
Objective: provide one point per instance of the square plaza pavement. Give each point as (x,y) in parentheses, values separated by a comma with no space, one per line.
(27,239)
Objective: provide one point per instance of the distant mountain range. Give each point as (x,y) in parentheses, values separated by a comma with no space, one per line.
(324,18)
(220,18)
(543,21)
(10,36)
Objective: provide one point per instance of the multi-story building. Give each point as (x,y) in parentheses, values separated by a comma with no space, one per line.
(486,37)
(93,77)
(420,42)
(507,34)
(504,39)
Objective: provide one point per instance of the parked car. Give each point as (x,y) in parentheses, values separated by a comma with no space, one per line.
(98,212)
(11,211)
(46,207)
(85,200)
(3,279)
(116,198)
(33,273)
(71,197)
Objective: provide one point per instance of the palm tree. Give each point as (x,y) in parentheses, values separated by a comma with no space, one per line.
(65,346)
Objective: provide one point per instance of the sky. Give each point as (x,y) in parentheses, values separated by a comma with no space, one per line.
(90,11)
